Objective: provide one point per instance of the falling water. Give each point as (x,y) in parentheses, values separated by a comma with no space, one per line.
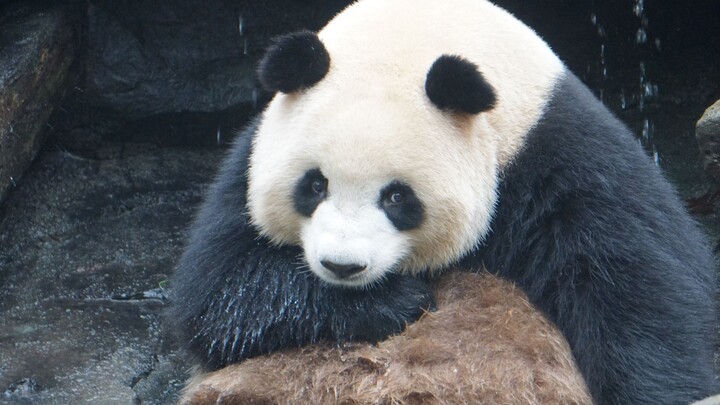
(241,31)
(602,62)
(644,91)
(647,90)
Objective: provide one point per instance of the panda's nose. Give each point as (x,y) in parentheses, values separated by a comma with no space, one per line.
(343,270)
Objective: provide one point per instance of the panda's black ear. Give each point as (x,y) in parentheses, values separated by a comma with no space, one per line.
(294,62)
(455,84)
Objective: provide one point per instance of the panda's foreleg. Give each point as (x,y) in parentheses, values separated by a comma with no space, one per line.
(235,295)
(257,301)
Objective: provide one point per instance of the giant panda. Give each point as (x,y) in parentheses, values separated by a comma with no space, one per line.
(411,136)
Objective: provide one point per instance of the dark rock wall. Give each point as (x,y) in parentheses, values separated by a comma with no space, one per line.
(37,47)
(146,57)
(177,71)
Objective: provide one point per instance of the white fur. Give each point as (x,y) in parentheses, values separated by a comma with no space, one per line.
(355,233)
(369,122)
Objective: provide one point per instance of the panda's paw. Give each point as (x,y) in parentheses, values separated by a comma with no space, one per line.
(381,311)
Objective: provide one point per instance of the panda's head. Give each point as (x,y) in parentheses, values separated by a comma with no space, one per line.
(381,150)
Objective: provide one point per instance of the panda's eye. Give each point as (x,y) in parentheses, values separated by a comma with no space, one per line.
(319,186)
(396,198)
(310,191)
(402,207)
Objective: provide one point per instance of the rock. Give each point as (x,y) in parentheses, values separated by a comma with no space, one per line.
(707,133)
(37,48)
(148,58)
(175,72)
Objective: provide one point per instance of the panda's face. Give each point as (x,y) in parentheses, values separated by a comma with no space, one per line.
(355,233)
(382,148)
(401,189)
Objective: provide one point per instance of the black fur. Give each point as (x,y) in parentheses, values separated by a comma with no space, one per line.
(455,84)
(234,295)
(405,214)
(294,62)
(590,229)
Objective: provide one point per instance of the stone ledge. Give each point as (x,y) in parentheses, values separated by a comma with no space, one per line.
(37,48)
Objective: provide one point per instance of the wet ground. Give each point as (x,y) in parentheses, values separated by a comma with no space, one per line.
(86,245)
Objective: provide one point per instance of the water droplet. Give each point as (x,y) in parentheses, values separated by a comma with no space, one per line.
(642,71)
(219,136)
(623,100)
(647,131)
(245,46)
(601,31)
(235,341)
(649,90)
(639,7)
(658,45)
(240,25)
(593,18)
(640,36)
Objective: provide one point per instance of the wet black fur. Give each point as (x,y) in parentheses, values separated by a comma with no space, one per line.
(235,296)
(455,84)
(294,62)
(589,228)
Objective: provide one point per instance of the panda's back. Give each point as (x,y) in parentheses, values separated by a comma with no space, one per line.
(584,212)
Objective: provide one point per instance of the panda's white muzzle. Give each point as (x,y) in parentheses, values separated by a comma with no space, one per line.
(353,246)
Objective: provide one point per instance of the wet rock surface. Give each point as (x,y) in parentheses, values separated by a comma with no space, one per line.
(37,48)
(707,132)
(146,58)
(85,248)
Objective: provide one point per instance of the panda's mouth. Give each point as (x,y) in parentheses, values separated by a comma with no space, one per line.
(355,280)
(351,276)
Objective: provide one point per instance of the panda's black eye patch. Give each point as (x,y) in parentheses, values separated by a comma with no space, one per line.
(401,206)
(310,191)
